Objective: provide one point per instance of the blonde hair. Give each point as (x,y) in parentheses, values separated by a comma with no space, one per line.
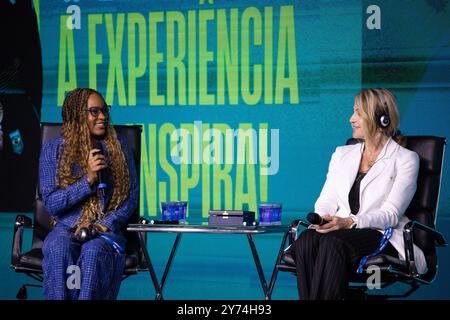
(75,149)
(374,102)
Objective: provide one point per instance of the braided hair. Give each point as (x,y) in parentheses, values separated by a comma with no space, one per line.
(75,150)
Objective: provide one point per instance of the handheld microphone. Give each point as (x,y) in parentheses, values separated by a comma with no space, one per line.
(315,218)
(101,173)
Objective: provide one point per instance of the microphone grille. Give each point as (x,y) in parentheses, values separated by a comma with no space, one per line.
(314,218)
(98,145)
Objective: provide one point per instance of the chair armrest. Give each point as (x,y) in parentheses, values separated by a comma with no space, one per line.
(21,223)
(409,242)
(294,228)
(437,236)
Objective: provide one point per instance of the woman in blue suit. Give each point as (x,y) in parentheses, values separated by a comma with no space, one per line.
(368,187)
(77,266)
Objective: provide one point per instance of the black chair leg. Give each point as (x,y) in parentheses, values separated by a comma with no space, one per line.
(22,294)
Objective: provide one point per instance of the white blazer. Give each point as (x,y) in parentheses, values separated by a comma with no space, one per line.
(385,191)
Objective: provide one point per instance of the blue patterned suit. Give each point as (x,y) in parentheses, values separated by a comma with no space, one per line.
(100,264)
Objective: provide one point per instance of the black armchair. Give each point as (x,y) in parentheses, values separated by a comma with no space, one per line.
(421,230)
(30,262)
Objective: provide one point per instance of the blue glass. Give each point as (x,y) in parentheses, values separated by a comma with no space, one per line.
(269,213)
(182,210)
(174,211)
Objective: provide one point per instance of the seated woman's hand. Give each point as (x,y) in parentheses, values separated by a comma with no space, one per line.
(100,227)
(82,225)
(334,223)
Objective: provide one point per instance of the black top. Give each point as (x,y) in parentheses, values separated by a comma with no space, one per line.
(353,196)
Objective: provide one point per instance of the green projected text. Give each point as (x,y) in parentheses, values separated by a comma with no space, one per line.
(199,57)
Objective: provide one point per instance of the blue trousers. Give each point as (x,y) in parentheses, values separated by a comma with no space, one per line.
(75,271)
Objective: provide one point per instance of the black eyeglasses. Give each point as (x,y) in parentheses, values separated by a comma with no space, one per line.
(95,111)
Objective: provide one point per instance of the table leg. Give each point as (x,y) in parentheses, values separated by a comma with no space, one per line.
(150,267)
(258,265)
(169,262)
(275,268)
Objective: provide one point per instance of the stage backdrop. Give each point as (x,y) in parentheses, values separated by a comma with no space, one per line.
(243,102)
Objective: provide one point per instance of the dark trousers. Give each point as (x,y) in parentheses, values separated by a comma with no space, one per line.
(325,261)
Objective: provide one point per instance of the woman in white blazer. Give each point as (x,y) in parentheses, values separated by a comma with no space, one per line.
(368,187)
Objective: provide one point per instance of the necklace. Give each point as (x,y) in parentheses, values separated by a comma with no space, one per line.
(370,163)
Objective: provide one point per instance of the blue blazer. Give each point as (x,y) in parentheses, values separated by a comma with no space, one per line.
(65,204)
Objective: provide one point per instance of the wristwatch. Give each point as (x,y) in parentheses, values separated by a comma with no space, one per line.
(355,221)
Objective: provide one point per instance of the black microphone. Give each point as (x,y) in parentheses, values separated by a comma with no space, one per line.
(101,173)
(315,218)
